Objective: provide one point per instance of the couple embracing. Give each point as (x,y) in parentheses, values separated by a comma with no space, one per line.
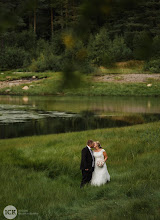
(93,166)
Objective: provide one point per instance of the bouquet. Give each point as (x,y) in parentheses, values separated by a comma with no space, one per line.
(100,163)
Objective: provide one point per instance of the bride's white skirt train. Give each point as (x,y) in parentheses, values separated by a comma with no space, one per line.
(100,176)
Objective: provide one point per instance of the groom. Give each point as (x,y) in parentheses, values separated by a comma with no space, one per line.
(87,163)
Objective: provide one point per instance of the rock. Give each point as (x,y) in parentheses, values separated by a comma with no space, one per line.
(11,84)
(25,88)
(149,85)
(2,73)
(8,90)
(33,77)
(25,99)
(20,72)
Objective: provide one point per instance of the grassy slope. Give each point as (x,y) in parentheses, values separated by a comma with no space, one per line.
(11,75)
(51,86)
(41,174)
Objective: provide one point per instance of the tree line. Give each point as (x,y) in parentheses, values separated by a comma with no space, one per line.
(96,32)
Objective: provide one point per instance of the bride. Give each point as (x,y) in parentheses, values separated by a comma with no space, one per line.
(100,174)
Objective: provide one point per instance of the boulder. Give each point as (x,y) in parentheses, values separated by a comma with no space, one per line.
(25,88)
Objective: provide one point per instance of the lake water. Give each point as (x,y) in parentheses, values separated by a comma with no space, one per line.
(34,115)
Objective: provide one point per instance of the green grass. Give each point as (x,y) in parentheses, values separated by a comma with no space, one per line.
(48,85)
(51,86)
(118,89)
(15,75)
(41,174)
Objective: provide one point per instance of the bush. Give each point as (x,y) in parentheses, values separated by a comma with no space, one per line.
(128,38)
(57,45)
(142,45)
(156,47)
(54,62)
(78,57)
(50,62)
(98,46)
(25,40)
(103,51)
(108,60)
(119,50)
(42,47)
(12,58)
(153,66)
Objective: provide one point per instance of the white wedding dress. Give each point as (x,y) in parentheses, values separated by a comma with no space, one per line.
(100,175)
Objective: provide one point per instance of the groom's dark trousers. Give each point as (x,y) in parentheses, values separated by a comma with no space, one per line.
(86,163)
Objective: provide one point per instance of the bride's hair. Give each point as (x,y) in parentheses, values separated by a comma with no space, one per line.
(98,144)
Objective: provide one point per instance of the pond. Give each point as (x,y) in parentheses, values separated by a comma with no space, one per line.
(35,115)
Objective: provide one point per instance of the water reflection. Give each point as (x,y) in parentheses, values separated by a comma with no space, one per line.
(96,104)
(25,99)
(21,116)
(81,122)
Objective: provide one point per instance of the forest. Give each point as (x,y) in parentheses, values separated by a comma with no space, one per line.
(41,35)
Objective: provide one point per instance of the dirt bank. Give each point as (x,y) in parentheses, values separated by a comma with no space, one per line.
(127,78)
(11,83)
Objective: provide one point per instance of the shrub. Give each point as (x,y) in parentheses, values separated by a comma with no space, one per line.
(25,39)
(142,45)
(54,62)
(119,50)
(128,38)
(103,51)
(57,46)
(98,46)
(42,47)
(78,57)
(152,66)
(50,62)
(13,58)
(156,47)
(108,60)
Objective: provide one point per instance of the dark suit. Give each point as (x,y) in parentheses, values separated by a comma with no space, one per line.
(86,163)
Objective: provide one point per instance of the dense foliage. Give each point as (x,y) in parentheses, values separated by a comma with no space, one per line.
(44,35)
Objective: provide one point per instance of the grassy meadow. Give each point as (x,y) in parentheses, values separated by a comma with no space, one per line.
(41,174)
(51,84)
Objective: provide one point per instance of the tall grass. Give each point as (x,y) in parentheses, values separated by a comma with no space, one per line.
(41,174)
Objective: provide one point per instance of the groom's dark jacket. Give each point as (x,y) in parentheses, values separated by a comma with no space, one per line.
(86,159)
